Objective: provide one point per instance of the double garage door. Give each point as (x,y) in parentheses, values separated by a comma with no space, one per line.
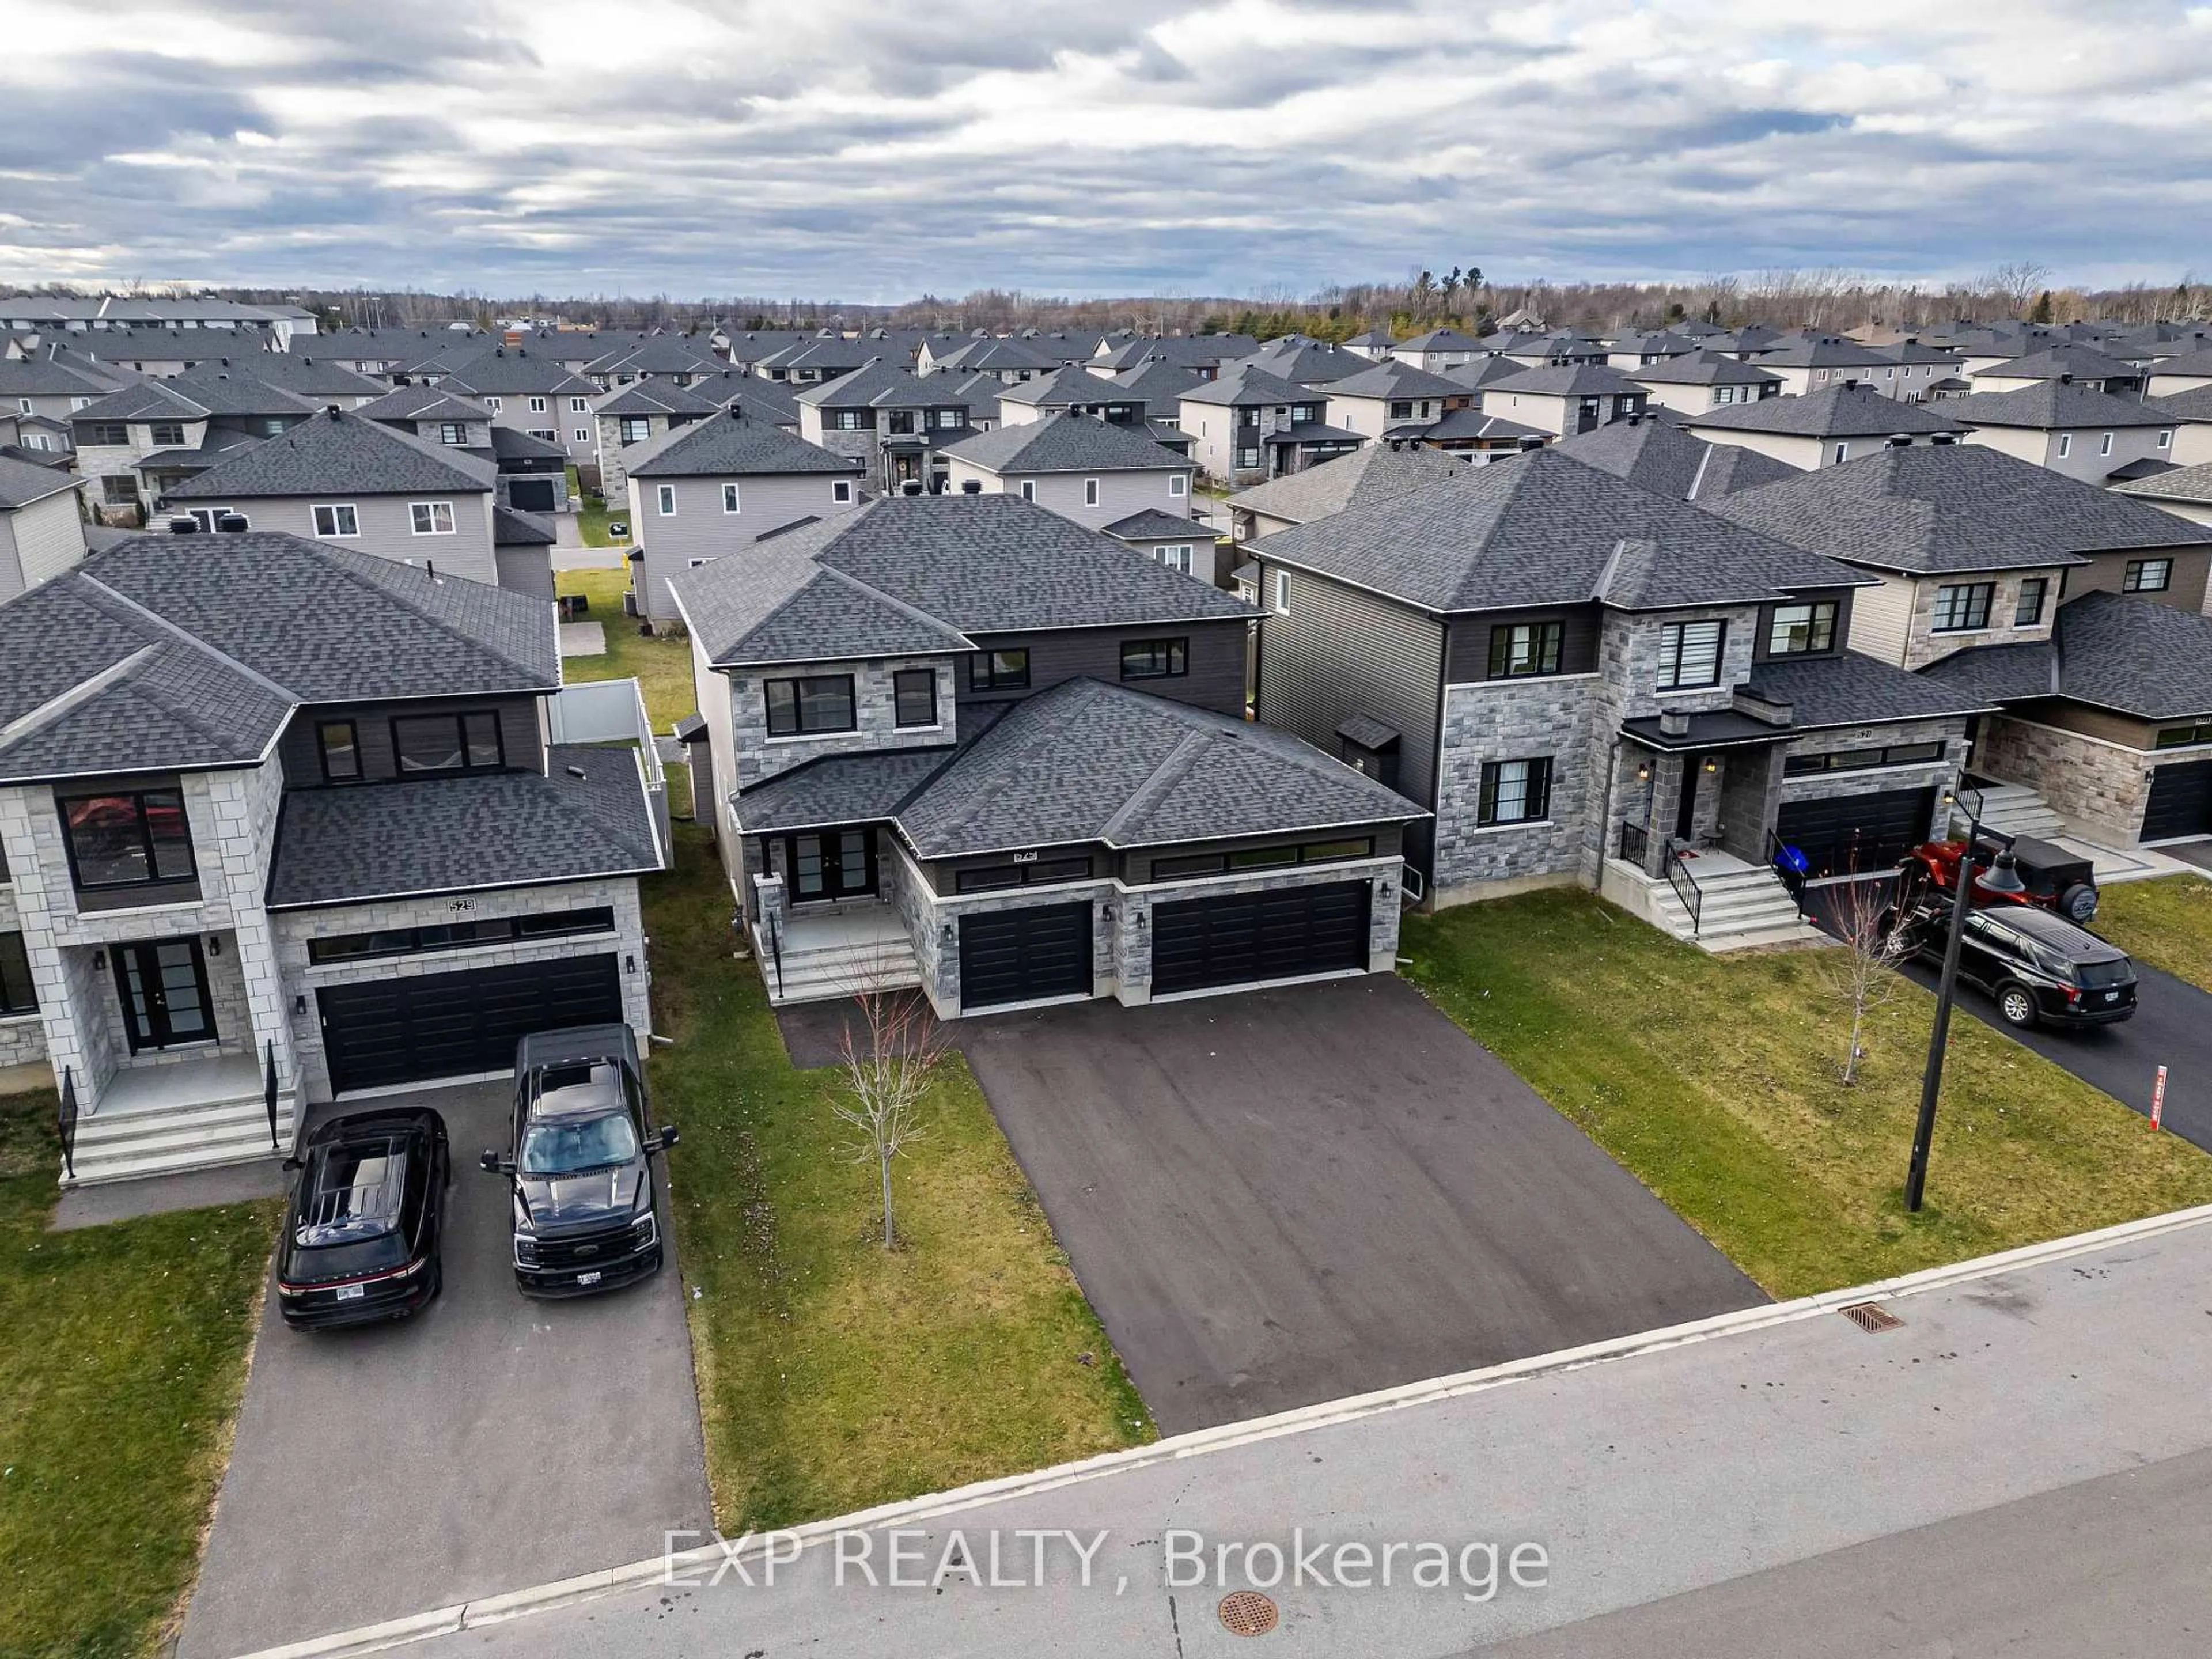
(385,1031)
(1857,833)
(2180,801)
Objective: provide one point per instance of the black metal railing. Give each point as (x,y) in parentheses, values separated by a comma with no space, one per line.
(1792,876)
(1635,843)
(1686,889)
(67,1121)
(269,1093)
(775,947)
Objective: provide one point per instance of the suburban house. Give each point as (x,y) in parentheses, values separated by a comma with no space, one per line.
(436,415)
(1823,428)
(715,488)
(1566,398)
(1696,382)
(2190,412)
(1071,391)
(1633,352)
(2190,372)
(531,392)
(1659,456)
(1912,369)
(637,414)
(2075,609)
(1816,363)
(1004,360)
(1305,362)
(2070,428)
(2083,365)
(1244,426)
(2186,491)
(135,444)
(897,423)
(1206,355)
(813,362)
(676,359)
(1475,436)
(1591,682)
(340,478)
(1087,469)
(1374,345)
(1393,399)
(41,525)
(282,822)
(1320,491)
(961,742)
(1180,542)
(323,381)
(1437,350)
(54,381)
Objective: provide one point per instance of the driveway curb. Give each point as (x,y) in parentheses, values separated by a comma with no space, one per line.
(447,1620)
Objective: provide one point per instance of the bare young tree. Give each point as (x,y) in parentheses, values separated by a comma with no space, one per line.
(1864,973)
(885,1063)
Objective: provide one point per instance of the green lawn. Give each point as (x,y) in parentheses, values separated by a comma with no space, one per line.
(833,1376)
(661,665)
(1716,1082)
(122,1359)
(2166,923)
(592,516)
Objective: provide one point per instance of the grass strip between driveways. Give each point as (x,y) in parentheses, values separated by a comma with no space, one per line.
(1716,1082)
(2166,923)
(661,665)
(832,1376)
(122,1362)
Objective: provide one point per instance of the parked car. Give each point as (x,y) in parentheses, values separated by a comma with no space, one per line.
(579,1162)
(367,1217)
(2041,969)
(2056,880)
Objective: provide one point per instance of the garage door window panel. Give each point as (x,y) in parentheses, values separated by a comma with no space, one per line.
(815,705)
(456,935)
(1044,872)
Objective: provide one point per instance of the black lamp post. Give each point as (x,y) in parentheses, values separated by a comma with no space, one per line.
(2001,878)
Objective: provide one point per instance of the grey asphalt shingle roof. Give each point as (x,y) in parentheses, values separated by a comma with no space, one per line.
(1567,381)
(2116,651)
(1652,455)
(2082,362)
(921,574)
(513,527)
(1835,411)
(241,628)
(423,402)
(1088,762)
(1826,352)
(150,400)
(1155,524)
(727,445)
(341,453)
(1241,383)
(2053,404)
(1314,492)
(2183,484)
(222,389)
(1483,372)
(1069,384)
(1704,368)
(301,372)
(453,835)
(21,483)
(1473,424)
(1852,689)
(842,789)
(654,397)
(1392,379)
(1928,509)
(1306,362)
(2194,404)
(1541,529)
(1064,443)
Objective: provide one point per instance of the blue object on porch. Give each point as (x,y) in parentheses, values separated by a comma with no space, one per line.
(1792,859)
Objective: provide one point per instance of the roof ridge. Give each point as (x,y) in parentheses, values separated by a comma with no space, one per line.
(177,632)
(1174,768)
(338,559)
(62,702)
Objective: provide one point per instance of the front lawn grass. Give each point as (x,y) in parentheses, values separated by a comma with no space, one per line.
(591,517)
(832,1374)
(661,665)
(2166,923)
(122,1360)
(1718,1083)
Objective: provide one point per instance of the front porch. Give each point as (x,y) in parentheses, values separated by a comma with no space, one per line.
(193,1114)
(810,953)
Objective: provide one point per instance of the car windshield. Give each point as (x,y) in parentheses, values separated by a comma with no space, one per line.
(352,1193)
(567,1145)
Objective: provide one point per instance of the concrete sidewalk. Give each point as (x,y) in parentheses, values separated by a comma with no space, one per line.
(1791,1435)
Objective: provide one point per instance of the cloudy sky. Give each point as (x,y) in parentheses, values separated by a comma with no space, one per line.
(873,149)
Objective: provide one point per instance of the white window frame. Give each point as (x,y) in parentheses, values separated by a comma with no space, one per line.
(1028,489)
(538,405)
(2105,446)
(1842,453)
(1282,593)
(1090,492)
(1175,556)
(423,518)
(733,498)
(493,404)
(1178,484)
(706,559)
(583,436)
(841,492)
(580,405)
(664,498)
(2065,445)
(2166,440)
(341,513)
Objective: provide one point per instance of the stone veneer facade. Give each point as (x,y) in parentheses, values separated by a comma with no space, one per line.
(2101,785)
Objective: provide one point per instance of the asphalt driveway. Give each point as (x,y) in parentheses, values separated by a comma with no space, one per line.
(487,1444)
(1288,1196)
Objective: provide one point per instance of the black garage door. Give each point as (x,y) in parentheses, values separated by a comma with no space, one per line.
(531,494)
(1013,956)
(1857,833)
(1242,936)
(408,1031)
(2180,801)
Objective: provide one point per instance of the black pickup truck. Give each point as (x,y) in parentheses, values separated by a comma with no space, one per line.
(579,1161)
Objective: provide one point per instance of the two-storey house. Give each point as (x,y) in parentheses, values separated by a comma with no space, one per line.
(281,822)
(1565,398)
(529,391)
(636,414)
(1070,391)
(1087,469)
(1245,426)
(1823,428)
(1698,380)
(1393,399)
(897,423)
(961,742)
(2069,428)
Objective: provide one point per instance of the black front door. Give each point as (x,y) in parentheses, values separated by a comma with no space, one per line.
(164,991)
(833,864)
(1686,811)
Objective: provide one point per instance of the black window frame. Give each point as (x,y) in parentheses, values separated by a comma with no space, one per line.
(175,429)
(1819,626)
(1173,649)
(903,680)
(460,718)
(323,729)
(797,685)
(1536,795)
(1035,872)
(1547,642)
(2022,616)
(19,993)
(1981,598)
(983,674)
(384,943)
(2131,578)
(2180,736)
(154,875)
(107,434)
(1926,753)
(1670,659)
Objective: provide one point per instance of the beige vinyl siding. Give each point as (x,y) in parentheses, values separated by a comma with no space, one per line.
(2106,573)
(48,537)
(1882,619)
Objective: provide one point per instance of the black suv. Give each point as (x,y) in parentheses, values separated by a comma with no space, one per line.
(2041,969)
(360,1237)
(579,1163)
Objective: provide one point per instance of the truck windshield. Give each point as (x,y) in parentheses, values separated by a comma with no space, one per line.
(569,1145)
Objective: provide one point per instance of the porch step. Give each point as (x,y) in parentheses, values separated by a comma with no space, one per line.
(2015,810)
(842,970)
(1737,909)
(201,1136)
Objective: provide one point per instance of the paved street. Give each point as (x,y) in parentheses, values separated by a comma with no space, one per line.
(1289,1196)
(488,1443)
(2022,1457)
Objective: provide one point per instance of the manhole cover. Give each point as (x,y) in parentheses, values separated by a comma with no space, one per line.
(1247,1612)
(1871,1317)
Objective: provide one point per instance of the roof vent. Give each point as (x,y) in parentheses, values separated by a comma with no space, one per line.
(182,525)
(2065,379)
(233,523)
(577,773)
(971,486)
(1900,440)
(1943,438)
(910,487)
(1531,440)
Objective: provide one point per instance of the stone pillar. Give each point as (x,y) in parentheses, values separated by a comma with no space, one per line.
(770,909)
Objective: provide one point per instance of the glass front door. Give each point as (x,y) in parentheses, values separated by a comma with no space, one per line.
(836,864)
(164,991)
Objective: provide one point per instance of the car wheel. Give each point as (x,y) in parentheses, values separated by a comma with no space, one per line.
(2078,903)
(2017,1006)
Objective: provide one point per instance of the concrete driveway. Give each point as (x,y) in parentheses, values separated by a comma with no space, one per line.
(1288,1196)
(488,1443)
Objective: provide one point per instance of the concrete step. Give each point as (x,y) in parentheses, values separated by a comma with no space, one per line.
(2016,810)
(119,1127)
(243,1131)
(821,976)
(99,1171)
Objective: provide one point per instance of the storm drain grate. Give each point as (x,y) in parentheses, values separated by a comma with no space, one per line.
(1247,1612)
(1871,1317)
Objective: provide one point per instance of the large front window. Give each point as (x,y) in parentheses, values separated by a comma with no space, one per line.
(1518,649)
(1961,606)
(1802,629)
(999,671)
(818,702)
(128,840)
(1515,791)
(1689,655)
(447,742)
